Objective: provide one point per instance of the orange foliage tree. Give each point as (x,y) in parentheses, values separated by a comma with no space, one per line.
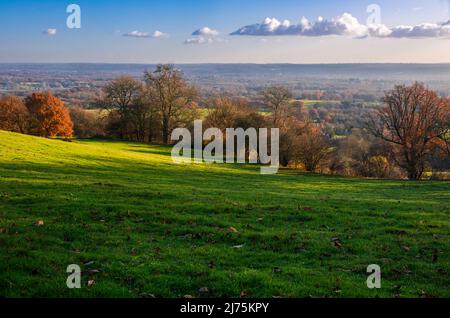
(50,117)
(13,115)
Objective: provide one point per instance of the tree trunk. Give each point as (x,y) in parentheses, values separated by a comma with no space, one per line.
(165,130)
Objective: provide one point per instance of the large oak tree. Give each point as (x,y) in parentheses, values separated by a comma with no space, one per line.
(413,120)
(171,94)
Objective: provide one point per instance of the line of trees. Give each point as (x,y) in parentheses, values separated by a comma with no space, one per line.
(405,137)
(148,110)
(40,114)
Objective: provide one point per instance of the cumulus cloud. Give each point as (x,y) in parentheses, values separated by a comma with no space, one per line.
(344,25)
(206,32)
(204,35)
(139,34)
(159,34)
(50,32)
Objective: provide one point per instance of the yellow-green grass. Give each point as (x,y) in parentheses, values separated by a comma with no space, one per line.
(311,103)
(155,228)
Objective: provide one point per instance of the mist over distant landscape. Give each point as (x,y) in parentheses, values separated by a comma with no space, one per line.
(236,79)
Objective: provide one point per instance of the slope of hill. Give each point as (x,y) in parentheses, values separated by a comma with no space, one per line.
(138,226)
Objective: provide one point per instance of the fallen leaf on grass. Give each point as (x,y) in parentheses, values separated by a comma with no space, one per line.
(39,223)
(204,290)
(246,293)
(336,242)
(91,283)
(232,230)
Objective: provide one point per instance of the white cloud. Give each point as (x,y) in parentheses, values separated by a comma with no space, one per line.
(204,35)
(159,34)
(50,32)
(206,32)
(139,34)
(344,25)
(425,30)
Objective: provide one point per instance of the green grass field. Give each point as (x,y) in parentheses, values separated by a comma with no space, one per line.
(144,226)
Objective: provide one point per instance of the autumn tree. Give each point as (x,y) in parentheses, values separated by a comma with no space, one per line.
(362,154)
(49,116)
(444,142)
(171,94)
(87,123)
(14,116)
(411,120)
(311,147)
(224,111)
(277,99)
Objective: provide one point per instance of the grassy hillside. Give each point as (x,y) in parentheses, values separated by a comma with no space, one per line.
(154,228)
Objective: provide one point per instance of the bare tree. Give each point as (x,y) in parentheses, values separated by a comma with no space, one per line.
(171,94)
(87,123)
(134,109)
(277,98)
(312,148)
(411,120)
(224,112)
(121,93)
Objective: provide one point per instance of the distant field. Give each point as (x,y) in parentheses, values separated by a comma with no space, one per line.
(311,103)
(144,226)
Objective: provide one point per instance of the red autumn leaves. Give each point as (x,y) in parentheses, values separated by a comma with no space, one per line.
(49,115)
(40,114)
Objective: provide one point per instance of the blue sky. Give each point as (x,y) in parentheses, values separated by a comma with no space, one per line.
(104,23)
